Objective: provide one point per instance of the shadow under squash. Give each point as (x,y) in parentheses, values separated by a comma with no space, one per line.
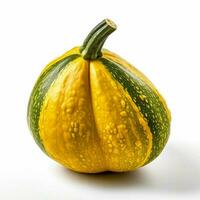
(176,171)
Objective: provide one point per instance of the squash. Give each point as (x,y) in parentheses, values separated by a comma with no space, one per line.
(92,111)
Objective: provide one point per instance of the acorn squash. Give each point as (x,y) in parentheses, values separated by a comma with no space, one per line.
(92,111)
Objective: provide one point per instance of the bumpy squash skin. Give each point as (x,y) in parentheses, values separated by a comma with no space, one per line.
(42,85)
(92,111)
(148,100)
(100,149)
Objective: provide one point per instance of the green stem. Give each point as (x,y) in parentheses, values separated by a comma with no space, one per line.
(91,48)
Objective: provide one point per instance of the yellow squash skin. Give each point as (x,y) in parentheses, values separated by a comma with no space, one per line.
(67,126)
(126,143)
(85,122)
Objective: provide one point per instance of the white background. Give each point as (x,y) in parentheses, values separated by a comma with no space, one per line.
(161,38)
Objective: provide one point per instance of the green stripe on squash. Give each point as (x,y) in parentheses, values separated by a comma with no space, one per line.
(38,93)
(148,103)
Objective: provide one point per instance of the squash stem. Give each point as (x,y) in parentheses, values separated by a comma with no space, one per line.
(91,48)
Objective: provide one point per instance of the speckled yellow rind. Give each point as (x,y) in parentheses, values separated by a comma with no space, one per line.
(40,89)
(89,123)
(67,126)
(125,137)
